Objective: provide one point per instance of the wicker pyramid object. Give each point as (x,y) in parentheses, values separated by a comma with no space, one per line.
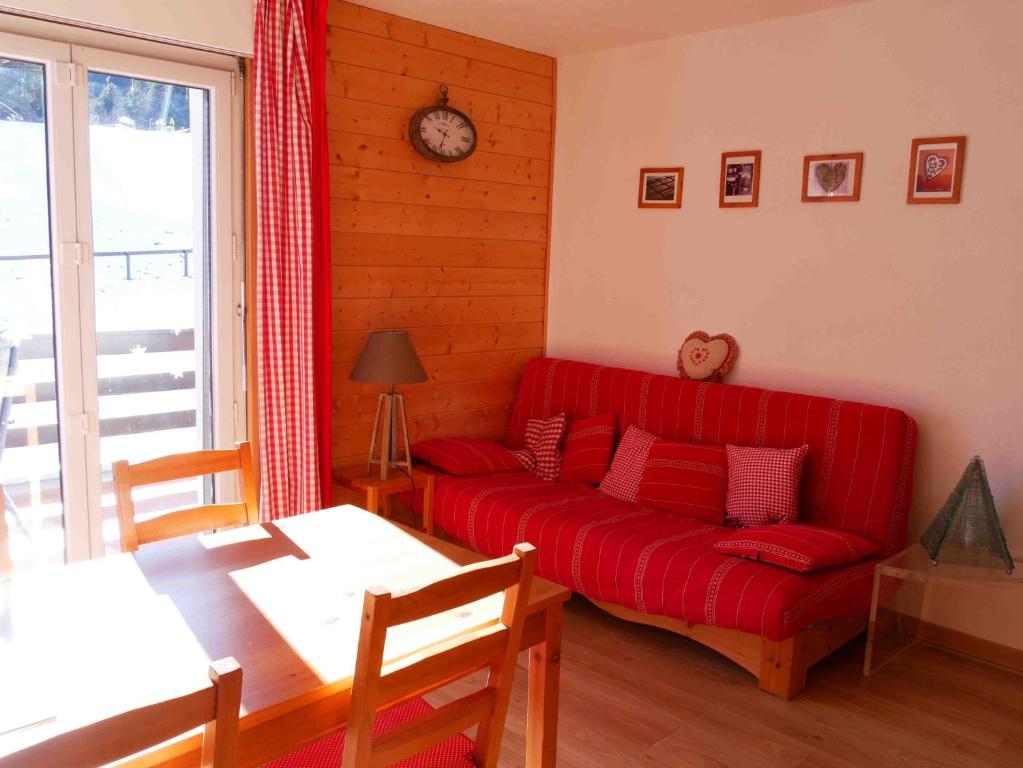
(966,530)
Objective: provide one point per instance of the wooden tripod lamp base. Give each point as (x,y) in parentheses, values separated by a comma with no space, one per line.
(394,440)
(389,359)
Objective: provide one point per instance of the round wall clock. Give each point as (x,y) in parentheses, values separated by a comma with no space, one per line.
(442,133)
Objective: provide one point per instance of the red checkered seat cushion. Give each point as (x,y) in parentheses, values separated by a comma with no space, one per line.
(587,448)
(542,454)
(642,558)
(801,548)
(685,478)
(763,484)
(466,455)
(456,752)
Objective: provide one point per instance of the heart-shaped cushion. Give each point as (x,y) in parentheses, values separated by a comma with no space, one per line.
(705,357)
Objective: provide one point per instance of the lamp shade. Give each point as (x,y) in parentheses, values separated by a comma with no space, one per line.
(389,358)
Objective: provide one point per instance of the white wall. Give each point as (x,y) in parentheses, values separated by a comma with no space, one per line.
(224,25)
(912,306)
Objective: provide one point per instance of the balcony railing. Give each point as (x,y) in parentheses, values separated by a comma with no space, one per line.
(109,343)
(147,389)
(155,394)
(184,253)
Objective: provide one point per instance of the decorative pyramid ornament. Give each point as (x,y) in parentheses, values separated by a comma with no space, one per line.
(966,529)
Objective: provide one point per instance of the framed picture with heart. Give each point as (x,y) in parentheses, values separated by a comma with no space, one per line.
(707,358)
(832,178)
(936,170)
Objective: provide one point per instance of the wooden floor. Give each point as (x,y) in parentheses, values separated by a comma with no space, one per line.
(636,696)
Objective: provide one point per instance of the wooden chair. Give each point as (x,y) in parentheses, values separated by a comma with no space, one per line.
(101,743)
(192,519)
(377,685)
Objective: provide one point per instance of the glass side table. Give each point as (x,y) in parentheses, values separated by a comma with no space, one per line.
(903,588)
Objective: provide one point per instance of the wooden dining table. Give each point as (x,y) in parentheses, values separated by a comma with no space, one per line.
(83,642)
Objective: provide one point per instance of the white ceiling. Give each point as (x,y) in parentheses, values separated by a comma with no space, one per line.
(564,27)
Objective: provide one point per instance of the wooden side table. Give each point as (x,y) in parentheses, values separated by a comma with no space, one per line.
(379,492)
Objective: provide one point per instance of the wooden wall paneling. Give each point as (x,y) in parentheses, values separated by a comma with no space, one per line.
(393,282)
(356,48)
(380,24)
(381,314)
(457,254)
(364,250)
(416,220)
(360,151)
(451,339)
(550,210)
(415,189)
(367,119)
(363,83)
(431,399)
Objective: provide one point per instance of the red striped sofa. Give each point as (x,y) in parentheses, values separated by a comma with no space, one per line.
(659,567)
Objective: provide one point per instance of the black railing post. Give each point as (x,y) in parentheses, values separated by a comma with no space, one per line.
(127,266)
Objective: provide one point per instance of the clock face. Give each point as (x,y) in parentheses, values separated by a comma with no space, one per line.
(442,133)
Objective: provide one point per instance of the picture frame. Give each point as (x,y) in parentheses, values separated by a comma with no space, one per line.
(740,179)
(833,178)
(660,187)
(936,170)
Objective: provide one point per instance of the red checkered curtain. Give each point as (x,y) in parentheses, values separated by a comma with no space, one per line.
(293,345)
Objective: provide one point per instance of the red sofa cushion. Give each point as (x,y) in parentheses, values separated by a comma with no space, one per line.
(857,478)
(466,455)
(622,480)
(643,558)
(801,548)
(586,451)
(686,478)
(763,484)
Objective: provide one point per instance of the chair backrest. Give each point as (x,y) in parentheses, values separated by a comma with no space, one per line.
(216,707)
(494,646)
(179,522)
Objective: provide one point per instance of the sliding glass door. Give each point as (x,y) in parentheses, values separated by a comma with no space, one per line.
(35,408)
(138,356)
(152,135)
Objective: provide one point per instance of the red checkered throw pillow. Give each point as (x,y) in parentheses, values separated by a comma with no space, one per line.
(587,450)
(686,478)
(466,455)
(622,481)
(801,548)
(763,485)
(542,456)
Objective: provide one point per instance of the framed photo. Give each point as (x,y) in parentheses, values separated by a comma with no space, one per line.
(740,179)
(832,178)
(660,187)
(936,170)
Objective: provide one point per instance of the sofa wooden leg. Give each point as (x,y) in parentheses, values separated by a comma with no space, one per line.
(782,667)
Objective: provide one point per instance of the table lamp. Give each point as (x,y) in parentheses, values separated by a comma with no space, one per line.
(390,359)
